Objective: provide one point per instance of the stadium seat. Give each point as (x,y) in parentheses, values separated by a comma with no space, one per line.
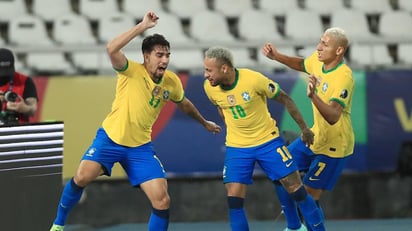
(72,29)
(405,53)
(324,7)
(87,61)
(138,8)
(171,27)
(48,10)
(48,63)
(355,24)
(371,6)
(190,60)
(95,9)
(392,26)
(11,9)
(185,9)
(302,31)
(134,54)
(278,7)
(405,5)
(210,26)
(29,30)
(266,31)
(370,55)
(113,25)
(232,8)
(242,58)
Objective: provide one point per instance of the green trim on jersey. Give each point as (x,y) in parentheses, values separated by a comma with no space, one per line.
(123,68)
(338,101)
(234,84)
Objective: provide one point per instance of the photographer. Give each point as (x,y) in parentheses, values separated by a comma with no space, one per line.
(18,94)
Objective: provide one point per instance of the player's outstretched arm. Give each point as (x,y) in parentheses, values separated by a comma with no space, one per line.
(307,134)
(270,51)
(113,48)
(187,107)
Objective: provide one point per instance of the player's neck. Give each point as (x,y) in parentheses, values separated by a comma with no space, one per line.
(230,78)
(331,65)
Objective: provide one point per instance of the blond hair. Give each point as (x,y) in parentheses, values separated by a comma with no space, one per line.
(339,35)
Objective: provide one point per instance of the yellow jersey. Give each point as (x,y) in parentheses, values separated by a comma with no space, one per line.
(244,106)
(337,85)
(137,104)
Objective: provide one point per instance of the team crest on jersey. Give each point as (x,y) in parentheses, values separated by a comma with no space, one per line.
(245,96)
(231,100)
(166,94)
(271,87)
(325,87)
(156,91)
(344,94)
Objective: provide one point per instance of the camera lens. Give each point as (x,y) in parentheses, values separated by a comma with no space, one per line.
(11,96)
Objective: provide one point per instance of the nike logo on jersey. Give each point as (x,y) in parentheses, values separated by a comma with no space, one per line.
(289,164)
(313,179)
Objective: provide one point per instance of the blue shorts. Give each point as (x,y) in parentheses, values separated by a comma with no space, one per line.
(322,172)
(140,163)
(272,157)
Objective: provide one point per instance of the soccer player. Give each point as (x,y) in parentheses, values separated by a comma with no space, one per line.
(253,135)
(125,136)
(330,89)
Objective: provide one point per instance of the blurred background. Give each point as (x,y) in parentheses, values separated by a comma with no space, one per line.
(61,44)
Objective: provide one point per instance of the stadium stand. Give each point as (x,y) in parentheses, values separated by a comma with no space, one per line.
(187,60)
(371,6)
(300,30)
(210,26)
(137,8)
(46,63)
(29,31)
(266,31)
(11,9)
(72,29)
(48,10)
(113,24)
(390,29)
(186,9)
(355,23)
(171,27)
(244,57)
(324,7)
(405,54)
(232,8)
(95,9)
(80,31)
(370,55)
(278,7)
(405,5)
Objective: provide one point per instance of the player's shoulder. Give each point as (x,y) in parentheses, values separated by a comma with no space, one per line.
(171,75)
(346,70)
(249,74)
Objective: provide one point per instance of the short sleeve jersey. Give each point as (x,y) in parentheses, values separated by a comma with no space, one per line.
(333,85)
(244,106)
(137,104)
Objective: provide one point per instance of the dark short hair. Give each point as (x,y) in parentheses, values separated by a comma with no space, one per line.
(153,40)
